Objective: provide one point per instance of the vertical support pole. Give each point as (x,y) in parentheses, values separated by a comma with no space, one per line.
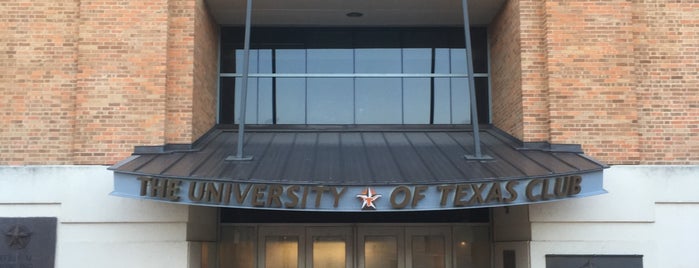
(478,155)
(239,156)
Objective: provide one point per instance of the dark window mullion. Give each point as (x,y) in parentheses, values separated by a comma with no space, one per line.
(274,87)
(432,70)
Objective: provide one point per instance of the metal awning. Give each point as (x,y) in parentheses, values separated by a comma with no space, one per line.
(350,168)
(338,168)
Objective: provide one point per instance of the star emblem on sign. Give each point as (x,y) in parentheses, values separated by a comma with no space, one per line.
(17,237)
(368,197)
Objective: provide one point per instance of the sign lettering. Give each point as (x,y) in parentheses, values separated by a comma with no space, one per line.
(356,198)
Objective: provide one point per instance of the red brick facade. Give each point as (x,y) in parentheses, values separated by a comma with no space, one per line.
(120,94)
(204,96)
(506,75)
(84,81)
(191,75)
(618,77)
(667,80)
(38,77)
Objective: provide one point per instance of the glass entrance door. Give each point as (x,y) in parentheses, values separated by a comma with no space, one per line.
(308,247)
(428,247)
(329,247)
(349,246)
(281,247)
(413,247)
(381,247)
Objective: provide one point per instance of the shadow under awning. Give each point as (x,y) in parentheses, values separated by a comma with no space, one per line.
(358,169)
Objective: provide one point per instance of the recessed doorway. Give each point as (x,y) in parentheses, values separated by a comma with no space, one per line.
(355,245)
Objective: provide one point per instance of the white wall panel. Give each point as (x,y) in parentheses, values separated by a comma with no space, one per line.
(34,184)
(674,184)
(677,234)
(591,231)
(83,195)
(650,210)
(630,199)
(95,229)
(30,210)
(123,232)
(105,254)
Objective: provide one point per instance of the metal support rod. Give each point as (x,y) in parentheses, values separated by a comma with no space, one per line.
(352,75)
(472,87)
(244,87)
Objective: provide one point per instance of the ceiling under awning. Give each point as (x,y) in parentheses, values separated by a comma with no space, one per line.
(374,12)
(339,169)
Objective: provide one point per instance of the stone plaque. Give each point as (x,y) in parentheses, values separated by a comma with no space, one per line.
(27,242)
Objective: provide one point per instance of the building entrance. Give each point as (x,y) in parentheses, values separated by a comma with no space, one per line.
(352,245)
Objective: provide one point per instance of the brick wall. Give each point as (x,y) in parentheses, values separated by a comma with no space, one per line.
(122,56)
(180,66)
(667,66)
(38,68)
(617,76)
(205,71)
(519,77)
(506,72)
(83,82)
(192,71)
(535,117)
(591,77)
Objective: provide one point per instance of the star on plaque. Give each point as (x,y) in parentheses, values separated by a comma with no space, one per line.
(368,197)
(18,237)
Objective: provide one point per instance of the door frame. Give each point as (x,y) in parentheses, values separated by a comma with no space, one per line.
(346,232)
(355,236)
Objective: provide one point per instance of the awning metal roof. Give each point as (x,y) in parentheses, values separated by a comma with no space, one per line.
(360,157)
(354,169)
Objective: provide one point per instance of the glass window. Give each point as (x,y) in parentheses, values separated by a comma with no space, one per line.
(330,100)
(442,88)
(292,91)
(379,100)
(350,76)
(416,91)
(259,95)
